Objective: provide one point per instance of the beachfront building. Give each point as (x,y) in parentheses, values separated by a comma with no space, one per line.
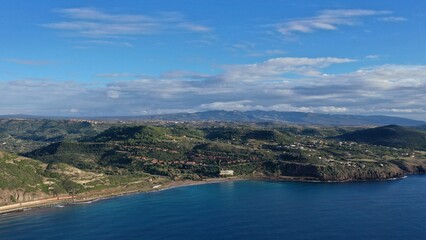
(226,172)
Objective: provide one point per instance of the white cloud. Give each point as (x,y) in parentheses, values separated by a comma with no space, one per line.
(388,89)
(72,110)
(393,19)
(95,23)
(113,94)
(326,20)
(248,105)
(242,105)
(374,56)
(274,68)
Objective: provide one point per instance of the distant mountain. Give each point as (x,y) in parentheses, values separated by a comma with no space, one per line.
(19,116)
(258,116)
(274,116)
(39,117)
(391,136)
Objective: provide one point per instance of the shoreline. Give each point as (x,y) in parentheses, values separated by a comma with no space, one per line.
(312,180)
(168,186)
(48,202)
(19,207)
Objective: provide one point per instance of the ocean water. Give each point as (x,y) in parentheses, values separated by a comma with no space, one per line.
(239,210)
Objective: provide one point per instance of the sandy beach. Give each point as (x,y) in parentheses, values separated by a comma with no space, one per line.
(98,196)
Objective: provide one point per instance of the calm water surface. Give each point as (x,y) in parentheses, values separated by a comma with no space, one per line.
(239,210)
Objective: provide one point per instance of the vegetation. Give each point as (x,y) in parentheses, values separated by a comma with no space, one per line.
(30,175)
(23,135)
(84,159)
(180,151)
(392,136)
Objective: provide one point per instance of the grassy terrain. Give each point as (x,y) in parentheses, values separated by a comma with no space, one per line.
(30,175)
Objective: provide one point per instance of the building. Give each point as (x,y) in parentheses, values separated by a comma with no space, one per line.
(226,172)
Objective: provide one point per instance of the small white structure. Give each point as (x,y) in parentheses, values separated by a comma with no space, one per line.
(226,173)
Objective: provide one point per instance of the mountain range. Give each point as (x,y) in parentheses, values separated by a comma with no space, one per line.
(260,116)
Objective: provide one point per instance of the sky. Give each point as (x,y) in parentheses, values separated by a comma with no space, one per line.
(139,57)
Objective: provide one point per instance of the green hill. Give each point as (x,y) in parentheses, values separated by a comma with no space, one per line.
(391,136)
(201,151)
(143,133)
(23,135)
(238,134)
(79,154)
(25,179)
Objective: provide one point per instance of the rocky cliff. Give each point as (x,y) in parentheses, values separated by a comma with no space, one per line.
(8,196)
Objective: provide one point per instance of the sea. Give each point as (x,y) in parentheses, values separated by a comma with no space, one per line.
(238,210)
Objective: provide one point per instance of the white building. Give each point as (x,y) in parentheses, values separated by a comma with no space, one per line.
(226,172)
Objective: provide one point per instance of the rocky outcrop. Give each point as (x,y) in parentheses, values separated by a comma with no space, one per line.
(355,173)
(337,172)
(413,167)
(280,168)
(8,196)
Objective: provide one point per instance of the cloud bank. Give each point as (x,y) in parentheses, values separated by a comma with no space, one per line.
(279,84)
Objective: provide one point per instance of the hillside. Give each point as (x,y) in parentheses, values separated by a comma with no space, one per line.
(23,135)
(391,136)
(86,161)
(196,153)
(23,179)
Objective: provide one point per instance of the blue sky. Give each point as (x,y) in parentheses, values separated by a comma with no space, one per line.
(81,58)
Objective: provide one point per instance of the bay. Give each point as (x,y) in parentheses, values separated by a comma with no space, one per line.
(239,210)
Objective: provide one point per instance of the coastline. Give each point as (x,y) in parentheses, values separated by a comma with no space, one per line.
(18,207)
(313,180)
(48,202)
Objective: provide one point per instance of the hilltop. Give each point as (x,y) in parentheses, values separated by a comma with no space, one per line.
(23,135)
(391,136)
(189,152)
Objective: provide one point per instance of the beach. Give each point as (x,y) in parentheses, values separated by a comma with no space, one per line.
(78,199)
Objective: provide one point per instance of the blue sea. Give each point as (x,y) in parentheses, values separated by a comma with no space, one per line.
(239,210)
